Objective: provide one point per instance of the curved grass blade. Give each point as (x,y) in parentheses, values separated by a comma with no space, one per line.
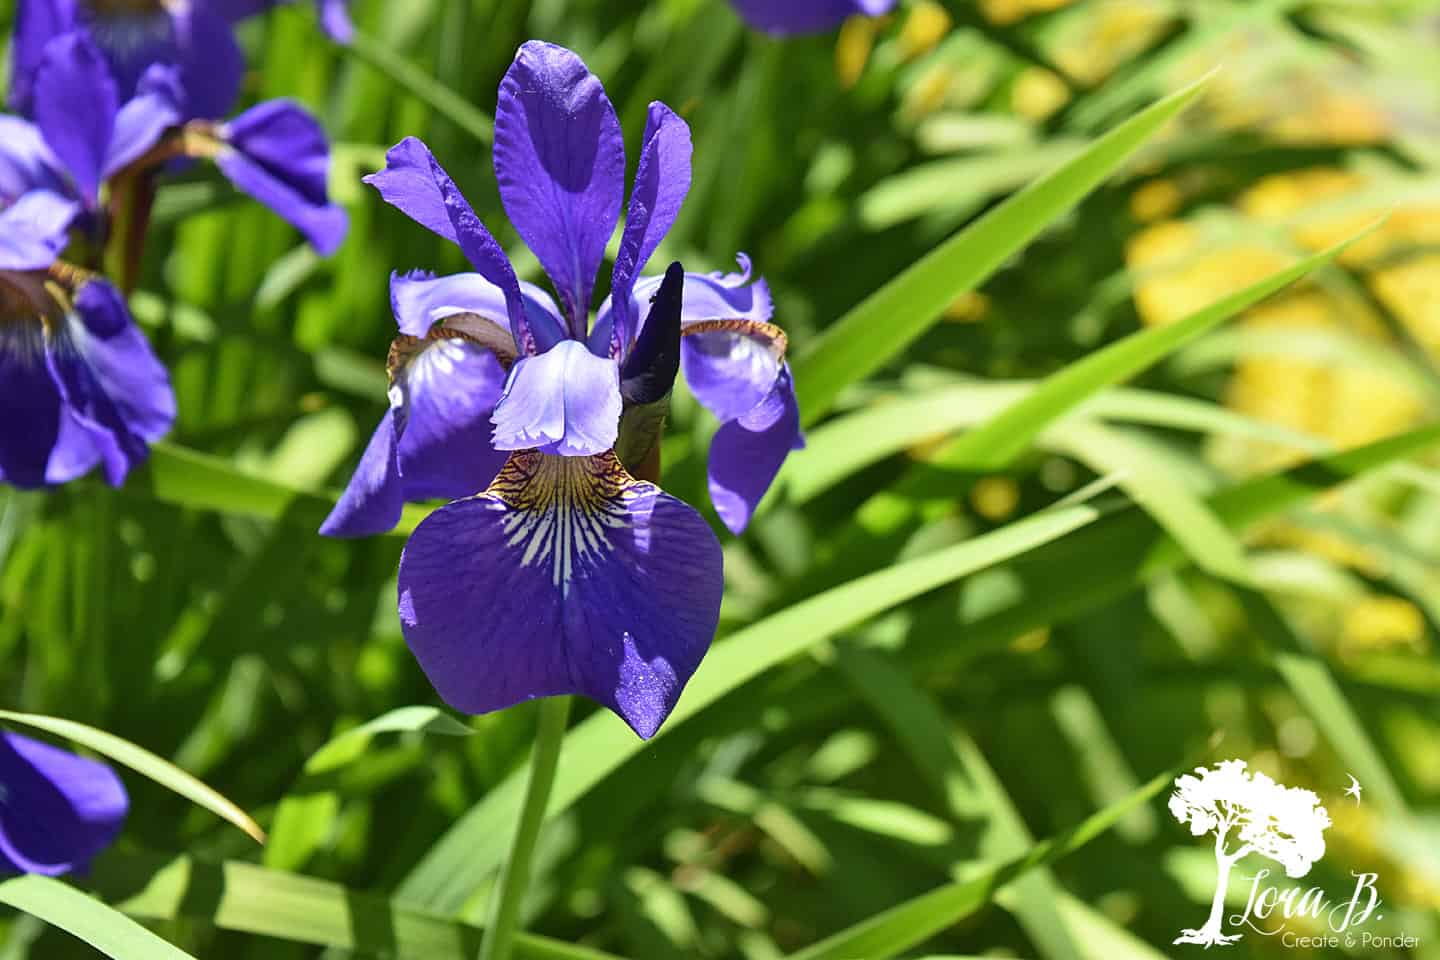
(1001,439)
(308,811)
(143,762)
(461,860)
(270,903)
(82,916)
(915,921)
(890,319)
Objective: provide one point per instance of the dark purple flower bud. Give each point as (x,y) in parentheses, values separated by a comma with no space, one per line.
(57,810)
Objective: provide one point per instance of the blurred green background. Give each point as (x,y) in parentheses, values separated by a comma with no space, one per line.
(926,744)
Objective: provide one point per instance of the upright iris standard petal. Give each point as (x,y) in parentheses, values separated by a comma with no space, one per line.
(57,810)
(566,576)
(75,102)
(278,154)
(37,22)
(661,185)
(375,497)
(565,401)
(34,230)
(109,379)
(782,17)
(414,182)
(747,453)
(560,163)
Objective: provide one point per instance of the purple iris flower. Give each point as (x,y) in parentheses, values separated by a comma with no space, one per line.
(195,36)
(566,574)
(275,151)
(79,385)
(782,17)
(57,810)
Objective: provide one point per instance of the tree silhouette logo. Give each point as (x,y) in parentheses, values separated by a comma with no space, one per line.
(1248,813)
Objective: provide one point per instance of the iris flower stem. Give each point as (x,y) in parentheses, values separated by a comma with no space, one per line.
(499,938)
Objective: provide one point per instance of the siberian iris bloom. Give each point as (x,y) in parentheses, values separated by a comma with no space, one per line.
(79,384)
(194,36)
(57,810)
(566,574)
(806,16)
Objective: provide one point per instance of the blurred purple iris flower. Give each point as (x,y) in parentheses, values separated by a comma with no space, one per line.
(567,574)
(782,17)
(57,810)
(194,36)
(79,385)
(275,151)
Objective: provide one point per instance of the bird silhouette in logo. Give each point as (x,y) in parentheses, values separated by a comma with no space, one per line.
(1354,789)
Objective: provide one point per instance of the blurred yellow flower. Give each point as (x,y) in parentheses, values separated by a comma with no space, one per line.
(1382,622)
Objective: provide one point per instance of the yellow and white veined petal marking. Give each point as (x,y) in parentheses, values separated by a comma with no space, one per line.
(564,509)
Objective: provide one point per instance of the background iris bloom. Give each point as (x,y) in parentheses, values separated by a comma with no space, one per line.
(806,16)
(57,810)
(578,577)
(195,36)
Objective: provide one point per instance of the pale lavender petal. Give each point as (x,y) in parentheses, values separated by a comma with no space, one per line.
(59,810)
(26,162)
(782,17)
(35,230)
(565,401)
(708,296)
(75,102)
(447,394)
(373,500)
(420,300)
(577,579)
(141,123)
(731,365)
(278,154)
(335,20)
(747,453)
(560,164)
(661,184)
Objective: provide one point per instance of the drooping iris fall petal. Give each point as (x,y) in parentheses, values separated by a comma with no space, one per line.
(566,576)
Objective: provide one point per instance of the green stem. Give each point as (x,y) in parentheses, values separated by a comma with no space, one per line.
(504,923)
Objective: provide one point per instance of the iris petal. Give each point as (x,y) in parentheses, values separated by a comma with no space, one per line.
(747,453)
(731,365)
(37,22)
(35,230)
(560,164)
(155,108)
(32,410)
(567,576)
(806,16)
(26,161)
(110,380)
(449,392)
(661,185)
(373,500)
(75,106)
(566,401)
(59,809)
(420,300)
(278,154)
